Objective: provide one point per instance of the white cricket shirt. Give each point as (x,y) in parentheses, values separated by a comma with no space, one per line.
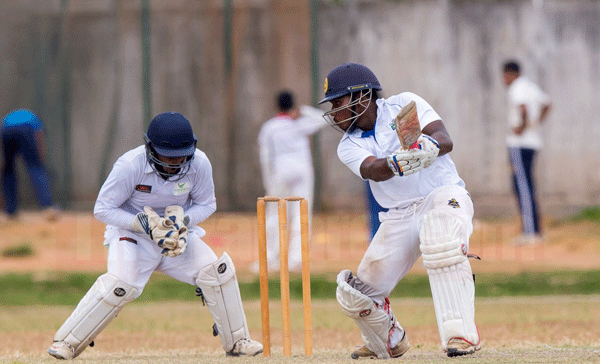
(397,192)
(524,92)
(285,146)
(133,184)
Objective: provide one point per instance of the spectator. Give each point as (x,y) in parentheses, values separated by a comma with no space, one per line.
(23,134)
(528,107)
(287,170)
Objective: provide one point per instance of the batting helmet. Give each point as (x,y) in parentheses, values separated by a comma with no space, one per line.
(347,78)
(170,135)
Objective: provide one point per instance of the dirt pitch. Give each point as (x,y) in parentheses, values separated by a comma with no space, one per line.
(561,329)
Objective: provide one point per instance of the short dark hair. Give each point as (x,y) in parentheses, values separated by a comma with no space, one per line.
(512,66)
(285,101)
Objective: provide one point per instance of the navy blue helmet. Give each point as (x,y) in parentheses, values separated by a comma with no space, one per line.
(347,78)
(170,135)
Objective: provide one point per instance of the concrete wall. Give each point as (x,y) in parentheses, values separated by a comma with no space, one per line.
(80,67)
(451,52)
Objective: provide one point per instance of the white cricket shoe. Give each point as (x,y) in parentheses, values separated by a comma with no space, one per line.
(246,347)
(62,350)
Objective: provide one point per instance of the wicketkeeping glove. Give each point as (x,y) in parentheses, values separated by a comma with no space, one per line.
(406,162)
(159,229)
(176,215)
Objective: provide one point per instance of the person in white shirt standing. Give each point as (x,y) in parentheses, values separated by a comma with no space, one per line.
(528,107)
(287,170)
(151,203)
(429,214)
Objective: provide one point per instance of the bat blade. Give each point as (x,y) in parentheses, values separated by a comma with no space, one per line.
(408,126)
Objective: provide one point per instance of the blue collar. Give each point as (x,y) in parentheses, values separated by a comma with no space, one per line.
(366,134)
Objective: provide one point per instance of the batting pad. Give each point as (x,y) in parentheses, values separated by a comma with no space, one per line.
(97,308)
(374,322)
(444,240)
(220,289)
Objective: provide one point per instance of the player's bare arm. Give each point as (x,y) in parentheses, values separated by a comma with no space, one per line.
(437,131)
(544,112)
(378,169)
(519,129)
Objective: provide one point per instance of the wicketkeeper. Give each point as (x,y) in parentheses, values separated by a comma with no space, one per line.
(151,202)
(429,213)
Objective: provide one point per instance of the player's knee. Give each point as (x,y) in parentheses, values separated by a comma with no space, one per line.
(218,272)
(443,239)
(123,290)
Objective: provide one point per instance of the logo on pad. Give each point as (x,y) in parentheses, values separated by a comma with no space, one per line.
(365,313)
(452,202)
(119,292)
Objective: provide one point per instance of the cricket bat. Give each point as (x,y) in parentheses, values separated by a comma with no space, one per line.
(408,126)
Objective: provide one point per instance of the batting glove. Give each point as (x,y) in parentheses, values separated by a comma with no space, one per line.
(406,162)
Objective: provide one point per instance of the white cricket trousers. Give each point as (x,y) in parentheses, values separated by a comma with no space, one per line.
(133,258)
(395,247)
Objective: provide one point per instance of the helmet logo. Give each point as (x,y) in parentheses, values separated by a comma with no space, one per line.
(358,87)
(326,85)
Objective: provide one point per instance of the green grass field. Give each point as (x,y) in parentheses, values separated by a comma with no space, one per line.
(549,317)
(18,289)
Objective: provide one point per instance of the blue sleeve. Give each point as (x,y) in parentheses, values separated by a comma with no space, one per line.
(23,117)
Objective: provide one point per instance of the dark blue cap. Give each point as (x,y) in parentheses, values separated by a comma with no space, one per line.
(347,78)
(170,134)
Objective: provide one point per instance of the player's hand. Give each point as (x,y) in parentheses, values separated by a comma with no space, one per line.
(176,215)
(158,228)
(430,148)
(519,129)
(406,162)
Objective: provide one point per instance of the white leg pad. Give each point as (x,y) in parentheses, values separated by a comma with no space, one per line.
(97,308)
(374,323)
(444,240)
(222,294)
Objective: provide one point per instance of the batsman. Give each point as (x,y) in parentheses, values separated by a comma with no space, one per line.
(400,145)
(151,203)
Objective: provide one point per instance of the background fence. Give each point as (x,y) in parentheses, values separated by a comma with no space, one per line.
(96,71)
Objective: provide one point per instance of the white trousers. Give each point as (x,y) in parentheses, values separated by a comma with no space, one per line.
(395,247)
(133,258)
(301,186)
